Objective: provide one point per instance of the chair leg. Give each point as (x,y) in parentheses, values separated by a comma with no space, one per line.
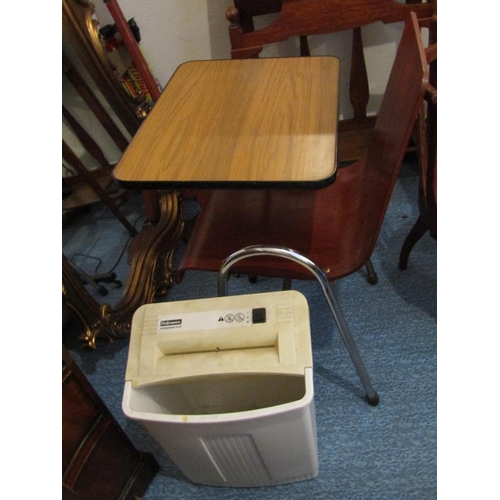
(252,251)
(372,275)
(371,396)
(417,231)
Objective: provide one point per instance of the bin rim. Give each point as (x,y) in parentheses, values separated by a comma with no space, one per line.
(220,417)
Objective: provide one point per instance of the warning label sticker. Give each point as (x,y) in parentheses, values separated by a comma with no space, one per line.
(206,320)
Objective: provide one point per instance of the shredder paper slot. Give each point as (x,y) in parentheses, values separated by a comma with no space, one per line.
(217,342)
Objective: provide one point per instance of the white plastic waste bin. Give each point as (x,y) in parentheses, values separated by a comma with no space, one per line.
(225,386)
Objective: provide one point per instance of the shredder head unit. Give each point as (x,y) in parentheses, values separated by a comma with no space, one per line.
(262,333)
(225,386)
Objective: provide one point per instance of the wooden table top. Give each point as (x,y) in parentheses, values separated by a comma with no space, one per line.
(239,123)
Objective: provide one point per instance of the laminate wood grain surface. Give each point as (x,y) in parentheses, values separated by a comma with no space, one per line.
(227,123)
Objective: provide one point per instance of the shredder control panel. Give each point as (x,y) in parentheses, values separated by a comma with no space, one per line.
(211,320)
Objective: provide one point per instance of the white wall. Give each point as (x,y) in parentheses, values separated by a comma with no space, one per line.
(176,31)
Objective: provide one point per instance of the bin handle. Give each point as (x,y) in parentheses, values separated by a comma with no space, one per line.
(293,255)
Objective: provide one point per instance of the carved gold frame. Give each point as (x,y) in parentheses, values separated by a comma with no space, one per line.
(150,276)
(151,268)
(81,30)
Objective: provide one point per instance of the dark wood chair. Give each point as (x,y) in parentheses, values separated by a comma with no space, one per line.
(87,185)
(314,17)
(336,227)
(426,139)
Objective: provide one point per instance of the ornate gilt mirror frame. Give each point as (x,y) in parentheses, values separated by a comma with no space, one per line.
(151,251)
(80,28)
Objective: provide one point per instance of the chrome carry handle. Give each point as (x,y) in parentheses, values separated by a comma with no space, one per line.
(293,255)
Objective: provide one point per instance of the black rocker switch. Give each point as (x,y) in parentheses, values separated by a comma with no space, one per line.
(259,315)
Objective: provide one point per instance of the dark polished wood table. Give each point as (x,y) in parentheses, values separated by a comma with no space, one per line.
(264,123)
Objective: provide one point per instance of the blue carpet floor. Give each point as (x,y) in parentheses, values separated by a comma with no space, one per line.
(384,452)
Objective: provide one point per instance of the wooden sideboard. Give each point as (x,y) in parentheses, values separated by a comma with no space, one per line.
(98,459)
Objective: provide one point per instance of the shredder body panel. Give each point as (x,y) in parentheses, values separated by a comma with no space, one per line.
(233,404)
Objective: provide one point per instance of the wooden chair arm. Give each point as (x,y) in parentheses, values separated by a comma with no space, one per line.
(431,53)
(428,22)
(430,94)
